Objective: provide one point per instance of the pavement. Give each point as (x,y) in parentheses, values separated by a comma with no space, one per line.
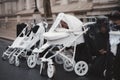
(8,33)
(11,72)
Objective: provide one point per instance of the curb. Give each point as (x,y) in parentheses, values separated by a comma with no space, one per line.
(6,39)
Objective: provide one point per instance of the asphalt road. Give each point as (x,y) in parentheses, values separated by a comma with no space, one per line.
(11,72)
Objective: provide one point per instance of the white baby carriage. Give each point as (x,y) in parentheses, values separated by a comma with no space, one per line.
(25,43)
(65,37)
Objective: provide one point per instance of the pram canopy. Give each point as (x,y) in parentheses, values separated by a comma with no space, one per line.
(73,23)
(60,35)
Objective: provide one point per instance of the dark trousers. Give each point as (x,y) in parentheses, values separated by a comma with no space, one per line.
(117,64)
(98,66)
(109,66)
(102,63)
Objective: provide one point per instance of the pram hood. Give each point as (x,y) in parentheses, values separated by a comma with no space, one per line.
(61,36)
(73,23)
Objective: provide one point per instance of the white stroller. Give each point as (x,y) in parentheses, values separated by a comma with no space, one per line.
(66,41)
(11,49)
(22,45)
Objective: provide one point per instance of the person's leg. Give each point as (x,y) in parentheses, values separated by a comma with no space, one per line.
(109,66)
(117,64)
(98,66)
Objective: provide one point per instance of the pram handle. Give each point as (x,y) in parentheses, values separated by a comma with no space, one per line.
(23,32)
(88,23)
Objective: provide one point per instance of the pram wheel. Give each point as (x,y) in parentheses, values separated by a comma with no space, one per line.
(4,57)
(68,66)
(42,68)
(104,72)
(31,61)
(81,68)
(11,60)
(17,62)
(58,59)
(51,70)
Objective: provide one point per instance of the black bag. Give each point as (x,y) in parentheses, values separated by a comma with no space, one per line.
(20,27)
(35,28)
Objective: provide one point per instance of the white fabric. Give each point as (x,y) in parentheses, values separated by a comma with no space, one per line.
(27,42)
(61,30)
(55,35)
(17,41)
(72,33)
(73,23)
(114,40)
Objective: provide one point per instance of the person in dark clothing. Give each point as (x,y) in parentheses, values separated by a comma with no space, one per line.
(35,28)
(104,58)
(20,27)
(102,39)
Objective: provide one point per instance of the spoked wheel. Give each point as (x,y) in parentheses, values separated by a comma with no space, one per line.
(58,59)
(11,60)
(17,62)
(68,66)
(81,68)
(42,68)
(4,57)
(31,62)
(51,70)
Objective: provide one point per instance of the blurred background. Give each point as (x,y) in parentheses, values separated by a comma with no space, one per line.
(13,12)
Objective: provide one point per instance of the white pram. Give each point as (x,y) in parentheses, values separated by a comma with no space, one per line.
(23,44)
(61,38)
(114,41)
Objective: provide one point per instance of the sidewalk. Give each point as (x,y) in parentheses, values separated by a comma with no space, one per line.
(7,33)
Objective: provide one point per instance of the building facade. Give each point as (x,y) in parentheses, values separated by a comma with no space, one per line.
(15,11)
